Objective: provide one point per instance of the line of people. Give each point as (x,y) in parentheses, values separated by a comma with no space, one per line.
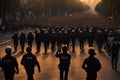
(56,36)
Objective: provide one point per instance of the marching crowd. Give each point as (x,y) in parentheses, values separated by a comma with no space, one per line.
(58,36)
(108,39)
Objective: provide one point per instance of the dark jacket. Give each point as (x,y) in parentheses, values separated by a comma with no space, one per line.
(29,61)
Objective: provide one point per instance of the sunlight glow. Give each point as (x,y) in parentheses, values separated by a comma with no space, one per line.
(91,3)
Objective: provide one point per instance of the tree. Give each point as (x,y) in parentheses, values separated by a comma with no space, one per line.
(8,7)
(109,7)
(56,7)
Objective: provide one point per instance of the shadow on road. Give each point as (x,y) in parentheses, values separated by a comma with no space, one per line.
(103,54)
(82,53)
(45,55)
(18,54)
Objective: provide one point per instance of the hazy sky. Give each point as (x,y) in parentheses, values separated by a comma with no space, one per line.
(91,3)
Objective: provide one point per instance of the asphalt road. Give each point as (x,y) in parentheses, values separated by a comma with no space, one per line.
(49,63)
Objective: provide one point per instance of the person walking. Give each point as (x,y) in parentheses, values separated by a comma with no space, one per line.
(91,65)
(30,38)
(115,45)
(22,40)
(9,65)
(29,61)
(64,63)
(15,41)
(38,40)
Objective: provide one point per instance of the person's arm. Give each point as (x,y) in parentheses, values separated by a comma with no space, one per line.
(1,63)
(84,65)
(69,58)
(16,66)
(98,65)
(37,63)
(23,60)
(57,53)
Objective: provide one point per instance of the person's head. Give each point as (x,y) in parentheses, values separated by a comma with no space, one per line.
(15,33)
(28,49)
(115,39)
(91,51)
(22,32)
(8,50)
(64,48)
(30,32)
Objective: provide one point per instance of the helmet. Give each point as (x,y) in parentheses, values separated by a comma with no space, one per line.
(64,48)
(22,32)
(8,49)
(91,51)
(28,49)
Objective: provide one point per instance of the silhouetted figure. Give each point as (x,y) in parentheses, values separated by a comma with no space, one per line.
(115,53)
(108,44)
(15,40)
(59,39)
(64,63)
(9,65)
(3,29)
(105,35)
(38,40)
(29,61)
(22,40)
(99,40)
(73,39)
(91,65)
(81,39)
(30,39)
(53,40)
(46,40)
(66,36)
(90,38)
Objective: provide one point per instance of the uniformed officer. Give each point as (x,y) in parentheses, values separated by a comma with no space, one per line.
(22,40)
(108,44)
(115,53)
(73,39)
(91,65)
(30,38)
(81,39)
(29,61)
(59,38)
(15,40)
(64,62)
(53,40)
(99,40)
(9,65)
(46,40)
(90,37)
(38,40)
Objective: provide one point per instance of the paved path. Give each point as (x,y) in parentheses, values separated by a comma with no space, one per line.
(49,62)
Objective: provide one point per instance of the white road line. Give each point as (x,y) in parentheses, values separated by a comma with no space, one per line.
(4,42)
